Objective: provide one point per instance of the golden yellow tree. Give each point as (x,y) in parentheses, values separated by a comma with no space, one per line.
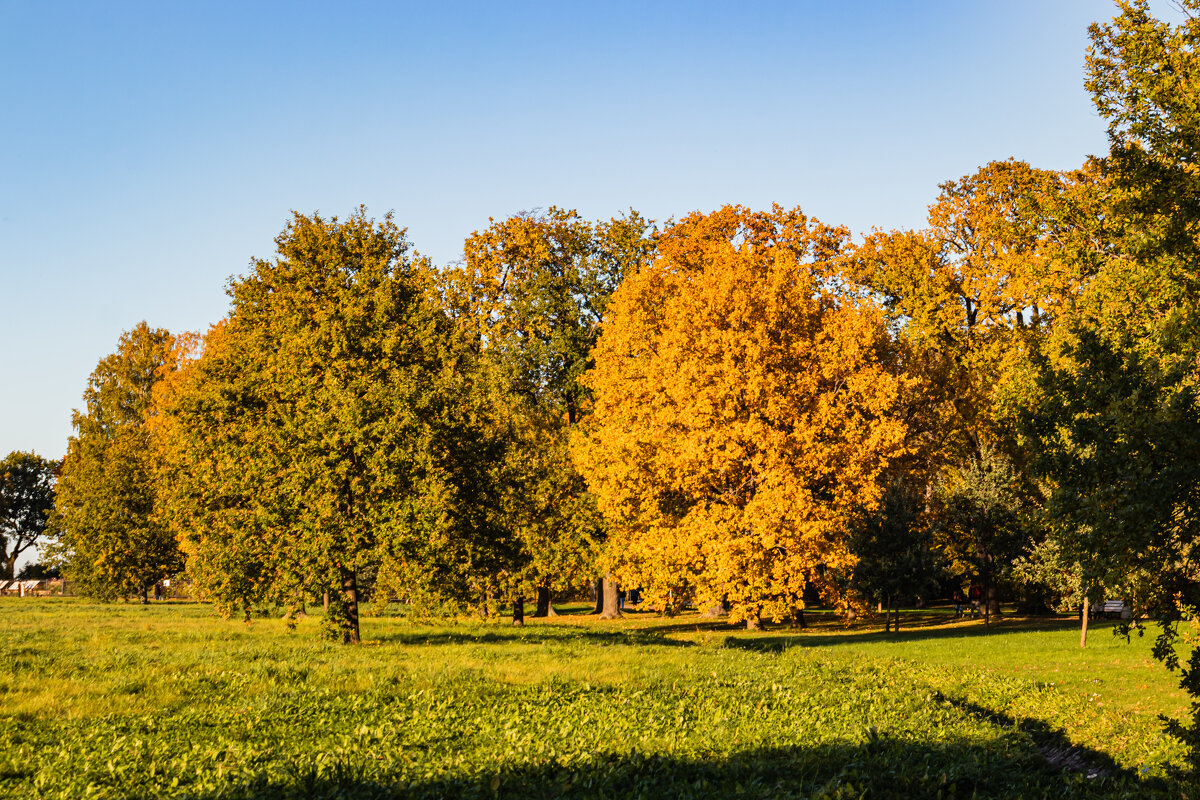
(110,538)
(743,405)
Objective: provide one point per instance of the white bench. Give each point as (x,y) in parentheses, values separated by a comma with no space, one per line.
(1115,608)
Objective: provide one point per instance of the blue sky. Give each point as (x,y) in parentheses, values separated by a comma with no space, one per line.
(148,151)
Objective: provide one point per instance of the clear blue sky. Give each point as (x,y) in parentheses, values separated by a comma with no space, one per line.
(149,150)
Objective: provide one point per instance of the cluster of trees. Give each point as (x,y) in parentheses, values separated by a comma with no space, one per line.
(359,415)
(738,409)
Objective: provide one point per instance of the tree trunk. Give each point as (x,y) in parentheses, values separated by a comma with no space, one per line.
(753,622)
(896,625)
(8,570)
(325,600)
(886,608)
(610,607)
(519,610)
(545,608)
(986,594)
(721,607)
(598,589)
(798,618)
(350,598)
(1083,627)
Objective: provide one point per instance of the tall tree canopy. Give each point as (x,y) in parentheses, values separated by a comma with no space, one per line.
(744,405)
(328,426)
(974,298)
(530,294)
(26,500)
(110,539)
(533,289)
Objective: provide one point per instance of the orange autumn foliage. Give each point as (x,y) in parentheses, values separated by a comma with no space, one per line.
(744,404)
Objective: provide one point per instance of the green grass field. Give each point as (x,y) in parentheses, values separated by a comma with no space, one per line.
(123,701)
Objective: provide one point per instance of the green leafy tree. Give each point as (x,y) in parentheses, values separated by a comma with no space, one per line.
(982,528)
(1140,71)
(328,427)
(26,500)
(110,541)
(530,295)
(1116,425)
(1050,576)
(1117,437)
(894,546)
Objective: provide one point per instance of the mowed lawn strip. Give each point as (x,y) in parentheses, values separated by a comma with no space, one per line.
(168,701)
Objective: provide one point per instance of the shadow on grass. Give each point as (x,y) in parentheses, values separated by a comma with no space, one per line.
(808,638)
(660,631)
(1007,767)
(1056,748)
(542,634)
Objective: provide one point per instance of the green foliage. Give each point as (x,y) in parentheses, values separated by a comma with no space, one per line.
(1047,570)
(533,290)
(894,546)
(1140,71)
(1115,430)
(110,542)
(1109,432)
(329,426)
(529,298)
(982,528)
(1117,436)
(26,500)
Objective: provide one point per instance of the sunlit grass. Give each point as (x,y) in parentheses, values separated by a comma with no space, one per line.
(210,708)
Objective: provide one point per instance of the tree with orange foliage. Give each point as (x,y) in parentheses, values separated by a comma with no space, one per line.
(744,404)
(1006,253)
(110,539)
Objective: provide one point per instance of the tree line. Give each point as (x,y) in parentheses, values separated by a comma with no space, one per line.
(742,410)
